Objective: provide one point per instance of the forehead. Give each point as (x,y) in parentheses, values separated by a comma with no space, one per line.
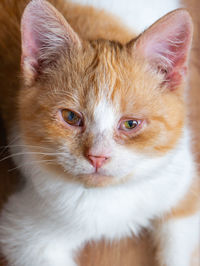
(106,80)
(122,84)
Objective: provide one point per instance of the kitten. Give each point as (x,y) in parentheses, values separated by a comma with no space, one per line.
(102,141)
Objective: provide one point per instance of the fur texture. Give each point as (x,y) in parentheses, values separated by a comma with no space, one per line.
(65,203)
(136,15)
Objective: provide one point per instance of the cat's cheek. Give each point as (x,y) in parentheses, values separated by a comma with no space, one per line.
(122,163)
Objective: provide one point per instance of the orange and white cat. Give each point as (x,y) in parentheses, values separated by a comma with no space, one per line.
(98,129)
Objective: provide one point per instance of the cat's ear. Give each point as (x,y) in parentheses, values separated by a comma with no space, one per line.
(46,35)
(166,46)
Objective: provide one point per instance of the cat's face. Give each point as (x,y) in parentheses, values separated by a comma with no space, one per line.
(100,113)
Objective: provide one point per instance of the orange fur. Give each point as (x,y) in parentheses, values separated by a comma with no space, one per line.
(194,100)
(190,204)
(138,253)
(10,39)
(98,53)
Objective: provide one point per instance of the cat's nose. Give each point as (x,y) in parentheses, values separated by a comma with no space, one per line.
(97,161)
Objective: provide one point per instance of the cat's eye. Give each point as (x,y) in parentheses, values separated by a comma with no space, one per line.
(72,118)
(130,125)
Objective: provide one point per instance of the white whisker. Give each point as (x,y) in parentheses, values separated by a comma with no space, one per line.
(30,153)
(30,163)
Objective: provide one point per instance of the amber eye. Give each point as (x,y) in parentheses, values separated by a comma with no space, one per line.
(129,125)
(72,118)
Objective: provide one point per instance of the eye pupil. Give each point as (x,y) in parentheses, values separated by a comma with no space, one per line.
(131,124)
(71,115)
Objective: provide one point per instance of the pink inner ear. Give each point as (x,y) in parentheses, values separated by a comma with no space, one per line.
(168,48)
(33,15)
(29,48)
(166,45)
(45,35)
(171,57)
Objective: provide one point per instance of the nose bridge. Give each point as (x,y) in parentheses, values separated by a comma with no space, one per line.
(103,116)
(100,144)
(100,130)
(99,151)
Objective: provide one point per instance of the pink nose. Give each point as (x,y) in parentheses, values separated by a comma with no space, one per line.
(97,161)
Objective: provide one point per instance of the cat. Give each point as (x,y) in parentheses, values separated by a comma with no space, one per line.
(97,126)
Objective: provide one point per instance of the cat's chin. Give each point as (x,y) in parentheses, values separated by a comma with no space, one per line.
(97,180)
(88,180)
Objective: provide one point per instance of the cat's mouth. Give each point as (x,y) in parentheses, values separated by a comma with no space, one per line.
(96,180)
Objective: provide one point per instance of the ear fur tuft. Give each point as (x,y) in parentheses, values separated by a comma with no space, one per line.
(166,46)
(45,36)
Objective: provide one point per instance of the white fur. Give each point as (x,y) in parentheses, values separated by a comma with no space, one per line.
(177,239)
(138,15)
(104,117)
(52,215)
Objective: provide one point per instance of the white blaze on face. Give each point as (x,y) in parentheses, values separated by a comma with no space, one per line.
(104,117)
(104,124)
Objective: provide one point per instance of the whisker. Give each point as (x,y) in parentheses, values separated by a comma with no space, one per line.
(29,146)
(29,163)
(10,143)
(30,153)
(6,146)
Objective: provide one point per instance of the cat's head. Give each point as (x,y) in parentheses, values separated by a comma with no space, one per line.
(98,112)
